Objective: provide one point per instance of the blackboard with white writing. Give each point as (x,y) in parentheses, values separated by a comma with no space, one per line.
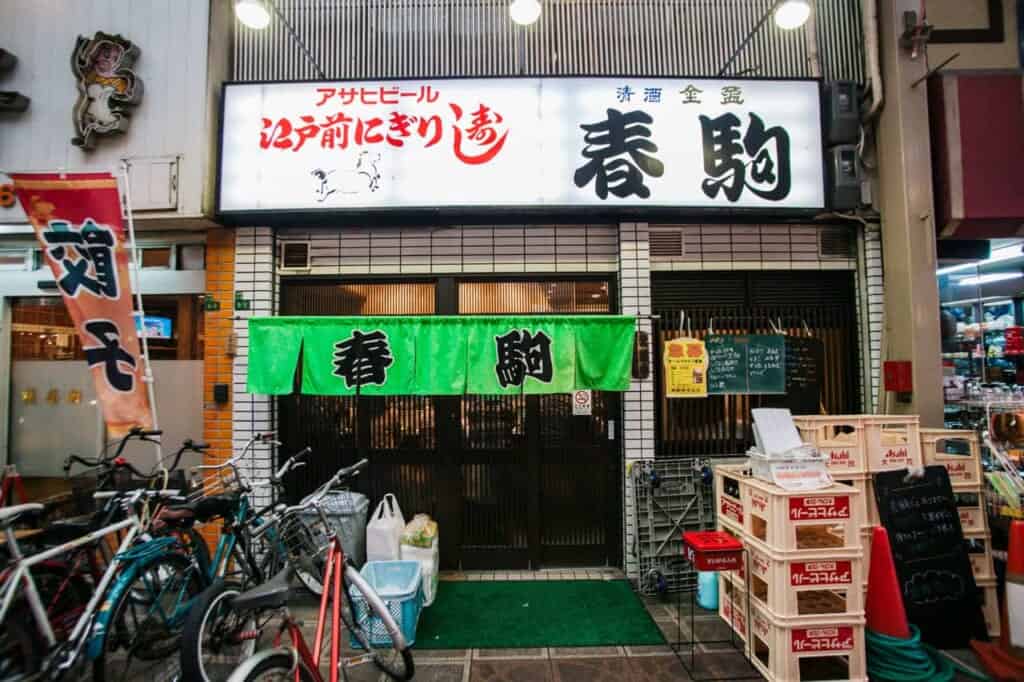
(928,549)
(752,363)
(805,362)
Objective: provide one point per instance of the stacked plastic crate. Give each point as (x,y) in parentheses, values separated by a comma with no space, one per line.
(804,612)
(960,453)
(860,446)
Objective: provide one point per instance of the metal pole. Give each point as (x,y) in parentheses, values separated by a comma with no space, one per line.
(298,40)
(747,38)
(147,377)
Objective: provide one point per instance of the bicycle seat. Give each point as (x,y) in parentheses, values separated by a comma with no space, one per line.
(65,530)
(202,509)
(9,514)
(272,594)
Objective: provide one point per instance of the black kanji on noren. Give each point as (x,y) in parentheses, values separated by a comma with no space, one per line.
(522,354)
(363,359)
(93,248)
(110,354)
(726,160)
(620,134)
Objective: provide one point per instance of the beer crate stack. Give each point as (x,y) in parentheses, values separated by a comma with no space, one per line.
(859,446)
(801,604)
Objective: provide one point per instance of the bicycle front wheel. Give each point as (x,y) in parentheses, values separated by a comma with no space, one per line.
(280,667)
(147,620)
(395,660)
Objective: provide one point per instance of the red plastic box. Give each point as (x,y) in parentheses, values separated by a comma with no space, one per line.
(713,550)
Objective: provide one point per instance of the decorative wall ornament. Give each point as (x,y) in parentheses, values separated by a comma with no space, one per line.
(107,86)
(10,100)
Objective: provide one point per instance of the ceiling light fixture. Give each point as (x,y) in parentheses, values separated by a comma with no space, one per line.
(792,14)
(524,12)
(252,13)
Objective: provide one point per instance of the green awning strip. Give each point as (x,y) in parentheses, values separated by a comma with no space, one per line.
(441,355)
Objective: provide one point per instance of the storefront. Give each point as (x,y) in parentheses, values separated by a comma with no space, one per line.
(394,198)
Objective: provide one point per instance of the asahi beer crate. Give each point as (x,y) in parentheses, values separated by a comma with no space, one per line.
(795,649)
(785,520)
(970,504)
(893,442)
(840,439)
(979,551)
(990,606)
(792,584)
(869,507)
(958,451)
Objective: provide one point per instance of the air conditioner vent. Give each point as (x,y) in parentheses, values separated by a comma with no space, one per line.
(666,243)
(836,242)
(294,256)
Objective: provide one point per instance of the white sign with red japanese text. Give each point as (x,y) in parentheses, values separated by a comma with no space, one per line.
(528,142)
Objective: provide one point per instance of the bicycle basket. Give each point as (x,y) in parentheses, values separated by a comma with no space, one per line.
(304,536)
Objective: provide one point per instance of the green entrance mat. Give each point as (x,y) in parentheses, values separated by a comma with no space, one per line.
(525,614)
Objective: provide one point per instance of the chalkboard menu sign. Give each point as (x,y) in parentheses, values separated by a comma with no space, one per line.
(931,559)
(754,363)
(805,363)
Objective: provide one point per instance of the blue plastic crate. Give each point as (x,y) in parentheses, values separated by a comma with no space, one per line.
(400,585)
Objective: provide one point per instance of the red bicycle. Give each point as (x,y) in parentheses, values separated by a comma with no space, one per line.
(299,662)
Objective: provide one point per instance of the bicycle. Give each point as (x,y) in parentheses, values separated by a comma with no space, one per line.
(135,610)
(298,661)
(209,646)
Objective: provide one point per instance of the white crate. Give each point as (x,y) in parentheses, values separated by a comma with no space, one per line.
(970,504)
(795,649)
(893,442)
(980,555)
(990,606)
(785,520)
(866,500)
(963,469)
(797,584)
(840,438)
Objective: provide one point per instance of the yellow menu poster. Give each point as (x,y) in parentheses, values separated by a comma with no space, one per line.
(686,369)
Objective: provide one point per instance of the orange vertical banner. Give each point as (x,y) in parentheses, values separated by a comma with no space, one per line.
(77,219)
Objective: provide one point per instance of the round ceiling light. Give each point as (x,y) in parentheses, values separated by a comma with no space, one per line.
(252,13)
(524,12)
(792,14)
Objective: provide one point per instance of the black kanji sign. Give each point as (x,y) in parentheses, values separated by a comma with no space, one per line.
(522,354)
(110,354)
(363,358)
(86,257)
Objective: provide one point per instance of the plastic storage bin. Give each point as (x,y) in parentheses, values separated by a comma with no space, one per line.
(979,551)
(958,451)
(346,512)
(893,442)
(840,439)
(400,585)
(990,606)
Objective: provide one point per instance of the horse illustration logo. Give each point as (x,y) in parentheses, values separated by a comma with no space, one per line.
(364,175)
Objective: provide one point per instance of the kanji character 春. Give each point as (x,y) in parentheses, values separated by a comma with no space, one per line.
(388,95)
(620,134)
(690,94)
(726,160)
(279,135)
(335,131)
(482,131)
(94,267)
(306,132)
(368,95)
(522,354)
(732,94)
(652,95)
(326,94)
(110,354)
(624,94)
(424,128)
(398,128)
(348,95)
(363,359)
(364,131)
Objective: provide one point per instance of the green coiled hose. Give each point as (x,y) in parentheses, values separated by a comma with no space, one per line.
(910,660)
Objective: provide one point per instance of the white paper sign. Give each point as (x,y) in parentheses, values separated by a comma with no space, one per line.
(528,142)
(582,403)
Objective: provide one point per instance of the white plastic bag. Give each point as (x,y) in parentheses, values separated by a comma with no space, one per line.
(384,531)
(430,565)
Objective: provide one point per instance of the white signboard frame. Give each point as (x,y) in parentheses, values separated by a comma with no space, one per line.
(533,143)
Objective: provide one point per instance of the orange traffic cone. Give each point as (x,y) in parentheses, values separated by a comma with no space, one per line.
(884,607)
(1005,660)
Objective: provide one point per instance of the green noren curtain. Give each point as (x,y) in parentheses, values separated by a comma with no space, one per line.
(441,355)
